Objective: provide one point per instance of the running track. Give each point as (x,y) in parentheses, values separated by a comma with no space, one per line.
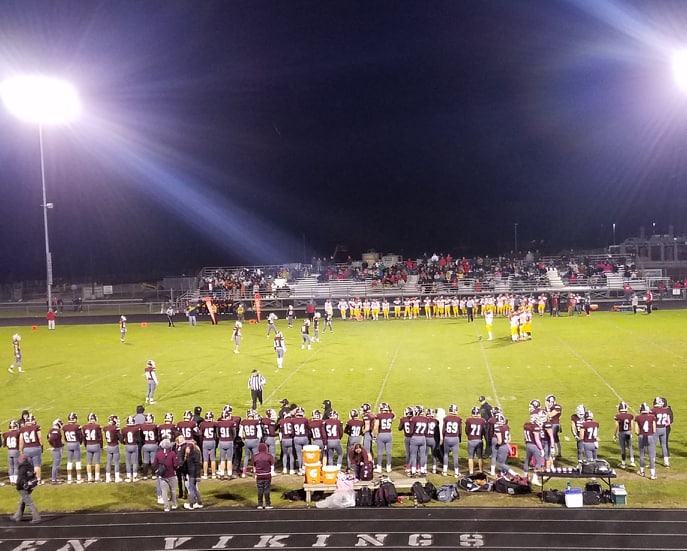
(393,528)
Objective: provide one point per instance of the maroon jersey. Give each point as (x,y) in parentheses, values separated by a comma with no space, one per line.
(419,425)
(385,421)
(663,417)
(72,433)
(432,427)
(130,435)
(475,428)
(646,424)
(188,429)
(502,434)
(316,428)
(111,435)
(453,426)
(576,421)
(554,414)
(55,438)
(149,432)
(530,432)
(404,425)
(589,431)
(92,434)
(167,430)
(624,421)
(333,428)
(300,427)
(29,437)
(226,430)
(368,422)
(354,427)
(208,430)
(10,439)
(250,429)
(286,427)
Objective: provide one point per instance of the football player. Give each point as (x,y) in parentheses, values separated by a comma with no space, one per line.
(645,429)
(93,440)
(188,428)
(450,438)
(122,328)
(268,426)
(301,437)
(271,318)
(354,430)
(432,437)
(623,434)
(534,450)
(150,446)
(286,434)
(74,438)
(576,421)
(404,425)
(31,444)
(589,434)
(368,425)
(151,381)
(10,439)
(168,429)
(56,449)
(418,442)
(251,433)
(502,444)
(280,348)
(208,437)
(663,420)
(383,431)
(475,431)
(112,438)
(333,430)
(305,334)
(130,436)
(554,411)
(227,429)
(16,348)
(236,336)
(316,429)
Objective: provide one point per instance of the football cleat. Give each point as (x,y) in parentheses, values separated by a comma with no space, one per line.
(188,415)
(72,417)
(622,407)
(169,417)
(453,409)
(92,418)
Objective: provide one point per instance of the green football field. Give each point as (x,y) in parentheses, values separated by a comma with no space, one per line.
(596,361)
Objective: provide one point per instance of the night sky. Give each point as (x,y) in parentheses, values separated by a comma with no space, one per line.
(251,132)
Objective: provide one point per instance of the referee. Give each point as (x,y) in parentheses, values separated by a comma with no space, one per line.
(255,384)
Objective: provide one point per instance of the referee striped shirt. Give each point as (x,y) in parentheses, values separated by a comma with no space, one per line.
(256,381)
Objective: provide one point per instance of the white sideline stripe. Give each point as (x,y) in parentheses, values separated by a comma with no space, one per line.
(642,336)
(389,368)
(489,372)
(309,359)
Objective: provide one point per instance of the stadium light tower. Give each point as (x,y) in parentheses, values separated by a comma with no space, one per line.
(680,69)
(43,101)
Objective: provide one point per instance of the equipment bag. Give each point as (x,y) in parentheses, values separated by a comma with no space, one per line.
(596,466)
(367,471)
(364,497)
(447,493)
(512,486)
(420,495)
(386,494)
(477,482)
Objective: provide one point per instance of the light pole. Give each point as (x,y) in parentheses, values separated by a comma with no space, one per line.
(614,233)
(515,239)
(42,101)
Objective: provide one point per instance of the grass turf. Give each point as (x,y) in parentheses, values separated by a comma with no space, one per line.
(595,360)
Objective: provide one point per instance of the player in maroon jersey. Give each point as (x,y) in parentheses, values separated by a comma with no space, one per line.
(56,449)
(475,431)
(333,430)
(130,436)
(554,411)
(208,436)
(354,430)
(150,445)
(73,438)
(623,434)
(383,425)
(112,439)
(188,428)
(451,430)
(404,426)
(502,439)
(534,449)
(227,429)
(433,437)
(664,416)
(301,437)
(251,433)
(316,429)
(418,442)
(31,444)
(368,419)
(93,440)
(168,429)
(576,420)
(645,429)
(286,434)
(10,439)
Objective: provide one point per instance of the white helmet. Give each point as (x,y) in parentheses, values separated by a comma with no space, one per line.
(122,318)
(151,363)
(16,337)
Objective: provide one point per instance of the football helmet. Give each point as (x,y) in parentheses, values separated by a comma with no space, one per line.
(188,415)
(300,412)
(57,423)
(658,402)
(130,421)
(334,414)
(113,420)
(239,324)
(429,412)
(365,408)
(228,409)
(418,410)
(408,411)
(169,417)
(475,411)
(316,414)
(453,409)
(385,407)
(209,416)
(534,405)
(150,418)
(354,413)
(644,408)
(31,419)
(579,410)
(16,337)
(588,415)
(72,417)
(13,425)
(92,417)
(499,419)
(251,414)
(151,363)
(622,407)
(122,318)
(551,399)
(271,414)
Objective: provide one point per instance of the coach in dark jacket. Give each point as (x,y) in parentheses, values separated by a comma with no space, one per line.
(194,464)
(26,474)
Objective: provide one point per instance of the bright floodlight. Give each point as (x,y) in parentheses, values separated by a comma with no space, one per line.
(680,69)
(40,100)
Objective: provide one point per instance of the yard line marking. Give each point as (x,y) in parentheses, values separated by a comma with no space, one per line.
(637,335)
(386,376)
(489,372)
(305,362)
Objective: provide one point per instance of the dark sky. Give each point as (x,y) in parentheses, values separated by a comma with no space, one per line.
(251,132)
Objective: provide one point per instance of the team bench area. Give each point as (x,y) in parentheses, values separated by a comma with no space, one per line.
(399,483)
